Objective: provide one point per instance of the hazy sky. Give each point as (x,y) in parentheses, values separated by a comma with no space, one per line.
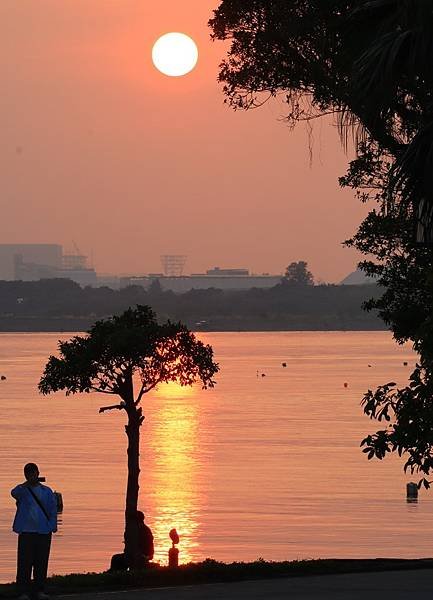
(100,148)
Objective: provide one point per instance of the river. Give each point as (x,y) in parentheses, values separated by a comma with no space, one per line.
(267,464)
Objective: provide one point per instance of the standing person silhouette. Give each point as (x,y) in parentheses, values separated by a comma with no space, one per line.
(35,521)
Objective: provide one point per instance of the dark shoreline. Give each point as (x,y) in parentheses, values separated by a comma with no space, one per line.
(61,305)
(210,571)
(80,324)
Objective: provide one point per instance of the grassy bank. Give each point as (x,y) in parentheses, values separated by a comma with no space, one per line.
(210,571)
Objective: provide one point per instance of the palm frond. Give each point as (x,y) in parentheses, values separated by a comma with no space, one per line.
(412,178)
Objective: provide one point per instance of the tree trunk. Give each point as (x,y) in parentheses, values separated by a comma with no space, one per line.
(135,419)
(131,522)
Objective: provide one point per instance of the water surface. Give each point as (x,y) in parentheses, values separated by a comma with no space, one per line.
(258,467)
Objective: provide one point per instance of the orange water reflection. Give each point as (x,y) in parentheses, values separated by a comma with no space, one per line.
(255,467)
(175,390)
(174,441)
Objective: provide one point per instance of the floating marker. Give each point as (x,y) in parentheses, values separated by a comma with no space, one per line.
(411,490)
(346,385)
(59,501)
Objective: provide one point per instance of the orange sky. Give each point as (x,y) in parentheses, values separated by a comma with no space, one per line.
(99,148)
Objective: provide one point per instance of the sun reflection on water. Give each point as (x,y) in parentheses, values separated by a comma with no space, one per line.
(174,442)
(172,389)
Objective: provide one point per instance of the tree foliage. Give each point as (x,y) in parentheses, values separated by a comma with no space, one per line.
(107,360)
(404,271)
(368,63)
(297,273)
(115,349)
(61,304)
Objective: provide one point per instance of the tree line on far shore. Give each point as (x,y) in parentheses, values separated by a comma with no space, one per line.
(46,303)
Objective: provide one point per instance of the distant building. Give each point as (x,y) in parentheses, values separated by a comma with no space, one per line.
(74,262)
(358,277)
(217,272)
(223,279)
(11,255)
(173,264)
(31,262)
(83,277)
(110,281)
(25,271)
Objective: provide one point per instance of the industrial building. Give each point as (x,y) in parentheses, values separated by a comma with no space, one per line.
(49,255)
(31,262)
(173,279)
(223,279)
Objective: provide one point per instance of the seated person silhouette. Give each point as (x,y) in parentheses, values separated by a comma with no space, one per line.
(145,538)
(141,538)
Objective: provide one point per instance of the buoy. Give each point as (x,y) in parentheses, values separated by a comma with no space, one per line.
(174,536)
(59,501)
(411,490)
(346,385)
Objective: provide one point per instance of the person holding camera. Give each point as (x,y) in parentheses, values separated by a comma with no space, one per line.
(35,521)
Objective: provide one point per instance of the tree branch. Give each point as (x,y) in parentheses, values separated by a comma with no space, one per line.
(120,406)
(144,390)
(96,389)
(103,382)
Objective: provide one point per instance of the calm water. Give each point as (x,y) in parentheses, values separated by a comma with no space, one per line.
(259,466)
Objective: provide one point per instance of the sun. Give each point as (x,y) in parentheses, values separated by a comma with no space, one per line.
(175,54)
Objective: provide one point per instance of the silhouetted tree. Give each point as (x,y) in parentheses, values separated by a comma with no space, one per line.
(297,273)
(106,361)
(404,272)
(368,63)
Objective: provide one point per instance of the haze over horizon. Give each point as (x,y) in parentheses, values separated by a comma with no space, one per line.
(100,148)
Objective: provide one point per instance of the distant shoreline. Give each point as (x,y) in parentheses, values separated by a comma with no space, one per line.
(76,325)
(62,305)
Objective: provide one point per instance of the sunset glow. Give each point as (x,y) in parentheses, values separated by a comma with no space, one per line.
(175,54)
(175,390)
(174,444)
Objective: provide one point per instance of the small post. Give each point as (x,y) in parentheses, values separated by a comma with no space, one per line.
(411,491)
(173,557)
(173,553)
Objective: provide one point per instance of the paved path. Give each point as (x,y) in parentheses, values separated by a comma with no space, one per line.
(397,585)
